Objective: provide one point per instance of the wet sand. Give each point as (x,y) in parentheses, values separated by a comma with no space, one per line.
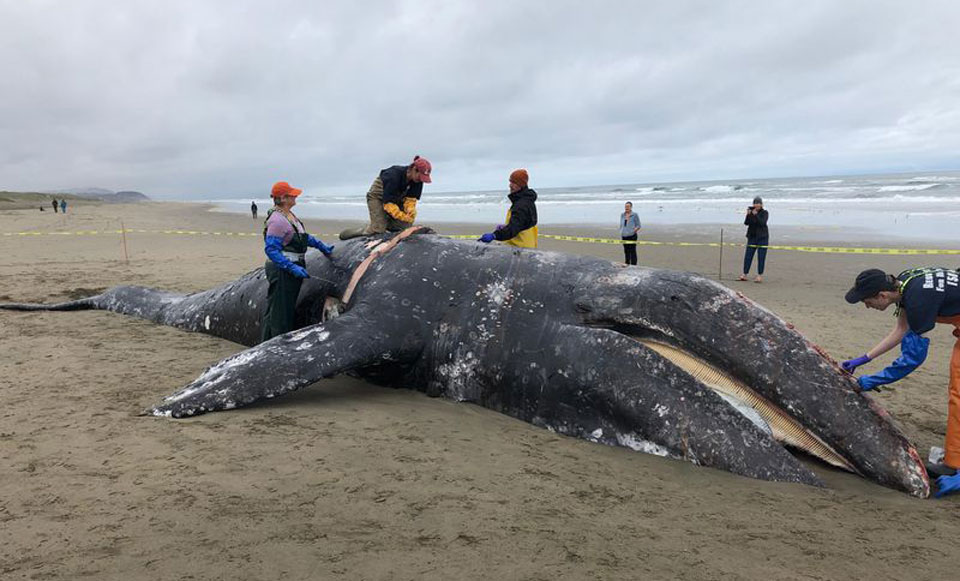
(349,481)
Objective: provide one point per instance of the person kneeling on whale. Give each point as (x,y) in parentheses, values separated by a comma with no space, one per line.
(924,297)
(392,198)
(285,244)
(521,223)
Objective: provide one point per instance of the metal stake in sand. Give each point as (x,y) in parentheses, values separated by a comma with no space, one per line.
(720,266)
(123,235)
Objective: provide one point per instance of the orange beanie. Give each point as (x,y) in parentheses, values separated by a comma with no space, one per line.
(520,177)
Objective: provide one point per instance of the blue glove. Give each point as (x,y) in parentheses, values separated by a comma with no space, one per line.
(947,485)
(487,238)
(319,245)
(913,351)
(273,248)
(851,364)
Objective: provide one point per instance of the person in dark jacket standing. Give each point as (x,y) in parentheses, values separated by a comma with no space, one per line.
(521,223)
(758,238)
(392,198)
(629,226)
(253,209)
(55,206)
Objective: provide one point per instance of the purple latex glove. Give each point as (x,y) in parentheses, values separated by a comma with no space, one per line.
(500,226)
(851,364)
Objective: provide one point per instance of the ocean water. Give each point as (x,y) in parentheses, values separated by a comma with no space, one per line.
(921,206)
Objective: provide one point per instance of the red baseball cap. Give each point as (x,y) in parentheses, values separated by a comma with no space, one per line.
(423,167)
(281,189)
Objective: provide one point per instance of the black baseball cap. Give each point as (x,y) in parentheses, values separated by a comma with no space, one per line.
(868,284)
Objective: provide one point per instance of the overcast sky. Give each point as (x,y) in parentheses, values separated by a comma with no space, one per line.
(203,99)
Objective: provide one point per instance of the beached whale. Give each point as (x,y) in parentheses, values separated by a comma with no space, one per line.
(661,361)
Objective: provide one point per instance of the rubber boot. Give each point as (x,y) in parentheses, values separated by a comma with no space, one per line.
(351,233)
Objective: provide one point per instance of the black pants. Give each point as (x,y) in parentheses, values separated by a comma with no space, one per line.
(630,250)
(280,316)
(752,243)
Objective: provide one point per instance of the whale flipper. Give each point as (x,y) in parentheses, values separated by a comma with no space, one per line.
(600,385)
(279,366)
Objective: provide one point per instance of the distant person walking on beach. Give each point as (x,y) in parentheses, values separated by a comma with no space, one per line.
(63,206)
(629,227)
(285,243)
(521,221)
(392,198)
(924,297)
(253,209)
(54,205)
(758,238)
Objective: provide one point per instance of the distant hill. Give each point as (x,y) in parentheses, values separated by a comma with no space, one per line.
(85,192)
(125,197)
(105,195)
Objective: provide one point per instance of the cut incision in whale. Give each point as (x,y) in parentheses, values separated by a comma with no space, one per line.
(781,426)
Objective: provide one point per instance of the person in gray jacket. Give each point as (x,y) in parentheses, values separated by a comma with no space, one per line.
(629,226)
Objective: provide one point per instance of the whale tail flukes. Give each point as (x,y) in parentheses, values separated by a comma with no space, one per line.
(77,305)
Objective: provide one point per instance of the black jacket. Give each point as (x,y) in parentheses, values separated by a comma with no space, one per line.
(396,187)
(523,214)
(757,225)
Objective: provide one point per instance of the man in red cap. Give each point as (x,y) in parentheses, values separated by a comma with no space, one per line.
(521,223)
(392,198)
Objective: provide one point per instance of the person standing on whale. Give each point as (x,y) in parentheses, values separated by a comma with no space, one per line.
(392,198)
(924,298)
(521,227)
(285,244)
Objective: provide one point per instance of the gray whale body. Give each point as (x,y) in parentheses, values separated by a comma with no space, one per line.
(575,344)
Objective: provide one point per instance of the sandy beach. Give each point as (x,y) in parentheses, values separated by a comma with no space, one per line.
(345,480)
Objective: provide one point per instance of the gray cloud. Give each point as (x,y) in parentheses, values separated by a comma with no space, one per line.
(217,98)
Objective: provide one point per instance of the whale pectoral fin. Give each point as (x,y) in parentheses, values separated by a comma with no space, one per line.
(608,381)
(277,367)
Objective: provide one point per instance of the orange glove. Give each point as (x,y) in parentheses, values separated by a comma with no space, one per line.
(394,210)
(410,208)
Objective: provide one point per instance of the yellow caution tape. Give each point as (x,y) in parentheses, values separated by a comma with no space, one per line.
(817,249)
(585,239)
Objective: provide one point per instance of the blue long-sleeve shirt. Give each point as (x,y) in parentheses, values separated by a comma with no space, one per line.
(627,225)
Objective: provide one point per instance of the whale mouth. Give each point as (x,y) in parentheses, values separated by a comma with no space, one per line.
(762,412)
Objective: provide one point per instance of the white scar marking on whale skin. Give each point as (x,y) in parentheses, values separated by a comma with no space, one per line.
(206,323)
(597,434)
(215,374)
(640,445)
(498,293)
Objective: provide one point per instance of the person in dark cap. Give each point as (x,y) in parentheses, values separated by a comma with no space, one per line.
(758,237)
(924,297)
(520,228)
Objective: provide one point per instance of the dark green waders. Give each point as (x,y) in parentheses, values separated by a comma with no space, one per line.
(280,316)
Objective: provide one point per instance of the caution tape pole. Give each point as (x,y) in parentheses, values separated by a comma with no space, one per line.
(720,266)
(123,235)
